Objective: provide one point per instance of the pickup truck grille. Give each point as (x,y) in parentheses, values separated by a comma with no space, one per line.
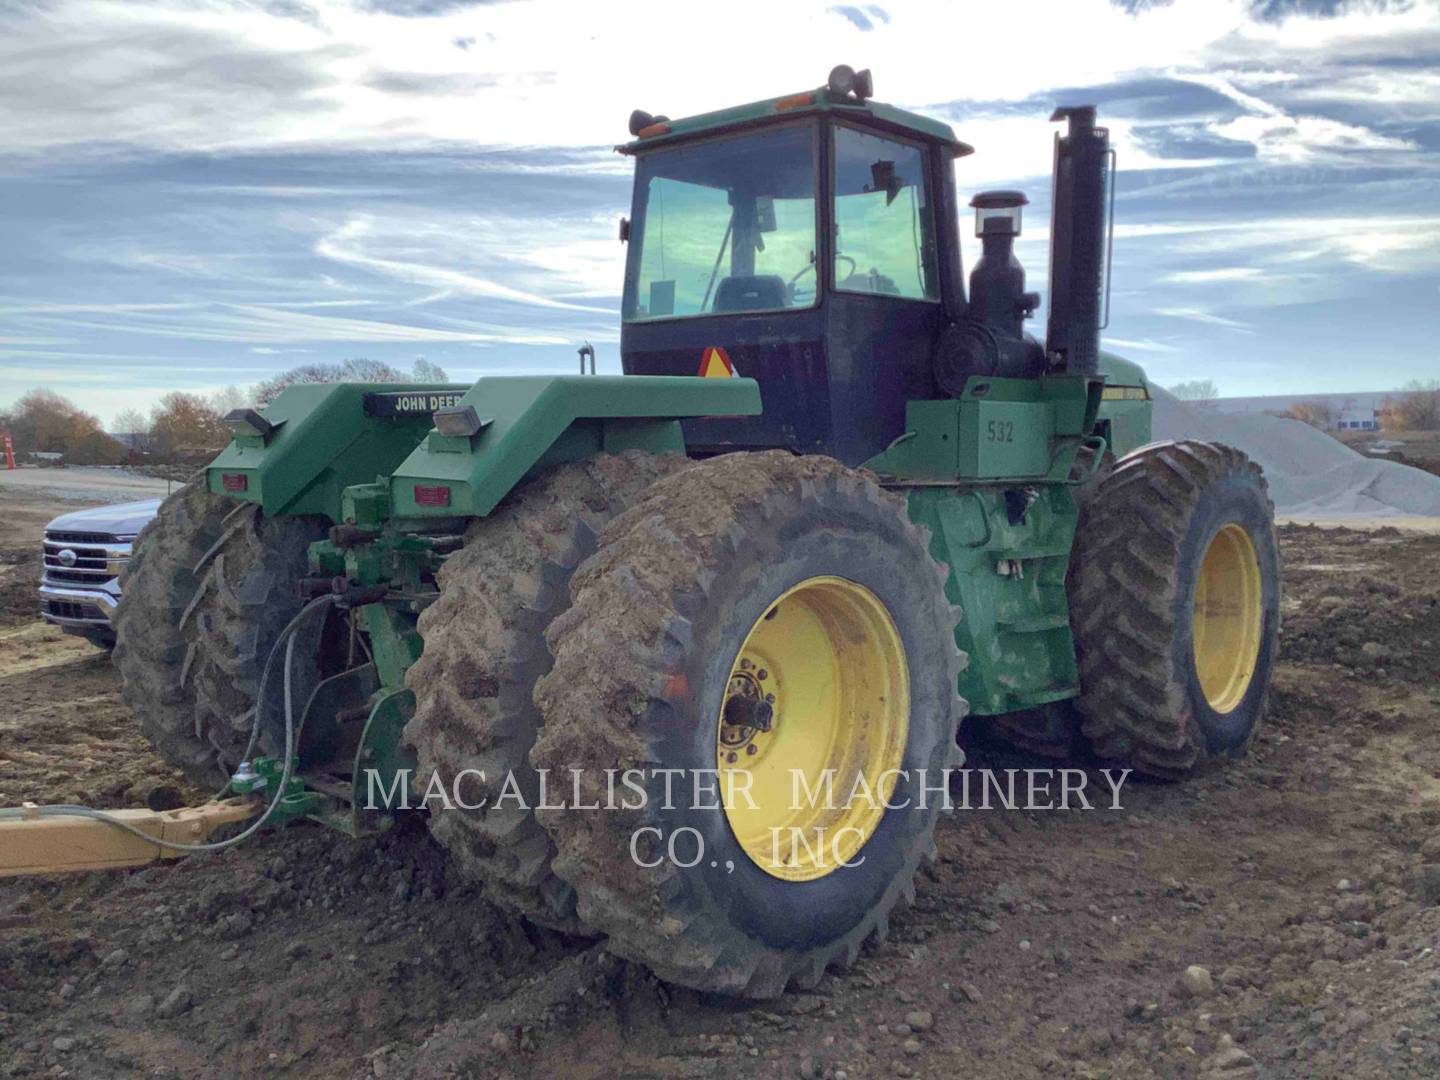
(79,538)
(79,583)
(82,577)
(74,611)
(93,561)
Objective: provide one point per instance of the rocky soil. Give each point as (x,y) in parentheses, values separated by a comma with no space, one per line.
(1278,919)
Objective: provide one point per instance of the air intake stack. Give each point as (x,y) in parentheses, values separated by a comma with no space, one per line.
(997,283)
(1078,242)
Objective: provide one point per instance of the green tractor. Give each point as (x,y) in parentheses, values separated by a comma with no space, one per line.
(678,658)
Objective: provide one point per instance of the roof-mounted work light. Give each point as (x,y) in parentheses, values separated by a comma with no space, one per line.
(845,80)
(641,120)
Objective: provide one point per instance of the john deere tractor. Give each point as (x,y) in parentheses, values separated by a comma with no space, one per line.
(678,657)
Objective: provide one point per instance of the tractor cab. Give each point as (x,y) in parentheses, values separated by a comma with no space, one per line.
(811,240)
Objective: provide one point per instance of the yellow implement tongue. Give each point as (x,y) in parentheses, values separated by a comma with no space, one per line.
(37,840)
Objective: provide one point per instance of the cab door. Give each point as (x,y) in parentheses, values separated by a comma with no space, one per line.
(884,301)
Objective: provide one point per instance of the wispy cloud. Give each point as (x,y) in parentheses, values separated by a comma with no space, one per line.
(1202,316)
(214,190)
(348,245)
(1134,345)
(253,322)
(1220,274)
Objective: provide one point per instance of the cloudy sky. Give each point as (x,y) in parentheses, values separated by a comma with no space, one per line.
(198,193)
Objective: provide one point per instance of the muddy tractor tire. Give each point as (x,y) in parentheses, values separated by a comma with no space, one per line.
(1175,605)
(754,614)
(475,716)
(208,590)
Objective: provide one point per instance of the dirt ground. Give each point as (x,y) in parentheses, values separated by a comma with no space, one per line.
(1305,880)
(85,485)
(1420,449)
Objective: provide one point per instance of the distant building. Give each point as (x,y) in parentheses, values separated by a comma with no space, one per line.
(1357,418)
(1351,412)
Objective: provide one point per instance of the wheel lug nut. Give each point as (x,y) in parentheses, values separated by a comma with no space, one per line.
(731,758)
(762,674)
(751,748)
(745,665)
(770,699)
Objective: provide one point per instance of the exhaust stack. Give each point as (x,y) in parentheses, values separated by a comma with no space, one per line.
(1078,242)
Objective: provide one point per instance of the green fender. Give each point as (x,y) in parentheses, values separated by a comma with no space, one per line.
(324,438)
(535,421)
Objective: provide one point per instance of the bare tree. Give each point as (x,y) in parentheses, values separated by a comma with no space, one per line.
(357,370)
(130,422)
(1195,390)
(1417,409)
(133,424)
(424,371)
(232,397)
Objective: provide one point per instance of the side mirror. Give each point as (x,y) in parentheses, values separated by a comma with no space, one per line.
(883,178)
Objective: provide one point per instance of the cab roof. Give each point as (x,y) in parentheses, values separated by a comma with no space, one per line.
(806,103)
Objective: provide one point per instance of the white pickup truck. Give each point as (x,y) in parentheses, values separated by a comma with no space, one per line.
(84,554)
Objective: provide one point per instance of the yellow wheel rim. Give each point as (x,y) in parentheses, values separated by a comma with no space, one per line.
(1228,611)
(812,729)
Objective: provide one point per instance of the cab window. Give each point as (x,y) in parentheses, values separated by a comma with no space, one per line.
(884,237)
(724,226)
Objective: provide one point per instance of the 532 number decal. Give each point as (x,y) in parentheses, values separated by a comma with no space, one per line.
(1000,431)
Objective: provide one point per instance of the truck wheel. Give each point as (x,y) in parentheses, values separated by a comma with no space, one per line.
(207,591)
(101,639)
(475,716)
(753,615)
(1175,604)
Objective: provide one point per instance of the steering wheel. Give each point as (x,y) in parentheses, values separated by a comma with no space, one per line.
(809,268)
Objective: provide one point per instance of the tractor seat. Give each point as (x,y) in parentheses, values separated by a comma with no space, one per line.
(758,292)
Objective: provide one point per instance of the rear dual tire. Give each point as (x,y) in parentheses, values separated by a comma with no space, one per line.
(202,600)
(645,661)
(475,717)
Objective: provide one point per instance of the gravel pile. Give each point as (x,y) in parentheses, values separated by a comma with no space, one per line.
(1308,471)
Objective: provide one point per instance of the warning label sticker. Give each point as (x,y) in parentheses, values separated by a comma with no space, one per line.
(715,364)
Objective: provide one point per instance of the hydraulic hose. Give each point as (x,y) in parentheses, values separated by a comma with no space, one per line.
(287,639)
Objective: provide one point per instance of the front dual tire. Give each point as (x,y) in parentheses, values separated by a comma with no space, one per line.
(1175,605)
